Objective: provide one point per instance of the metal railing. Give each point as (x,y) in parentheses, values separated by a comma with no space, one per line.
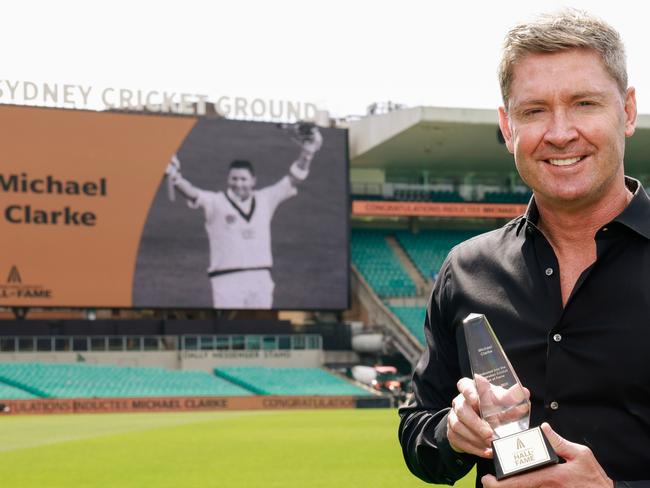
(15,344)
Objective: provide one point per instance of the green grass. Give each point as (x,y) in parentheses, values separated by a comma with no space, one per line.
(301,449)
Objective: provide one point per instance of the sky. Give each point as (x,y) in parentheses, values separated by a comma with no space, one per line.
(340,55)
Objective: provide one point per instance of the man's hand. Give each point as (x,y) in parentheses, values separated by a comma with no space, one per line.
(466,430)
(580,470)
(314,142)
(173,173)
(173,168)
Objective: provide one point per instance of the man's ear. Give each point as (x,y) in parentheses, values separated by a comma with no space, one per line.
(504,125)
(630,112)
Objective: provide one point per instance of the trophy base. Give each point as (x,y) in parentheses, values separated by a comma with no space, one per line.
(523,451)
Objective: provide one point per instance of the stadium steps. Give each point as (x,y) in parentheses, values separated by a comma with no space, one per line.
(379,313)
(429,248)
(232,377)
(380,267)
(413,319)
(408,265)
(290,381)
(21,385)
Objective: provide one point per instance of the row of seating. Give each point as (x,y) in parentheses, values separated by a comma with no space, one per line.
(22,381)
(289,381)
(428,249)
(427,196)
(378,264)
(507,197)
(8,392)
(86,381)
(413,319)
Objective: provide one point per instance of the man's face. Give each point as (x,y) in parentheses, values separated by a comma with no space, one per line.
(566,124)
(241,182)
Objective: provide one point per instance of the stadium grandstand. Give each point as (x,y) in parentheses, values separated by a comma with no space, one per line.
(417,188)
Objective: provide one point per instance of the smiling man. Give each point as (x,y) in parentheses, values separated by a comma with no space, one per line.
(565,286)
(238,225)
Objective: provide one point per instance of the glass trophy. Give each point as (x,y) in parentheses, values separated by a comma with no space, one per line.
(503,403)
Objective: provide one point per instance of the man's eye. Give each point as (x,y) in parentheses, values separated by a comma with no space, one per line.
(532,111)
(586,103)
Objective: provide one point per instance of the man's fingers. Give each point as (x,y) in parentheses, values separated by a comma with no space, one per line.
(476,424)
(466,430)
(464,420)
(562,447)
(467,388)
(463,439)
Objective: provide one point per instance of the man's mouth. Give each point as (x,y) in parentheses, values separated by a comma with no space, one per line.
(564,161)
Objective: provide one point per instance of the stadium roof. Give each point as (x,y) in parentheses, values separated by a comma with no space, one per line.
(454,140)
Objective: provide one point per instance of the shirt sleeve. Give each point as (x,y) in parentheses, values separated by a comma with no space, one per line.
(203,200)
(279,192)
(423,425)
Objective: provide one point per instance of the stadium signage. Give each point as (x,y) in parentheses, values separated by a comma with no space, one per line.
(82,192)
(176,404)
(241,354)
(65,95)
(15,289)
(27,214)
(436,209)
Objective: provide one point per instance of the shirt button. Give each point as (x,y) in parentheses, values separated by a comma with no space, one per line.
(549,271)
(554,405)
(557,337)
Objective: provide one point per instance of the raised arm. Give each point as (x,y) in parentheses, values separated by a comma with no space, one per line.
(309,146)
(173,173)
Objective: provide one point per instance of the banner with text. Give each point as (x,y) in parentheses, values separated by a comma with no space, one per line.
(106,209)
(436,209)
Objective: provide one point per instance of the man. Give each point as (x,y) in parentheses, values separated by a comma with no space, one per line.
(238,224)
(566,286)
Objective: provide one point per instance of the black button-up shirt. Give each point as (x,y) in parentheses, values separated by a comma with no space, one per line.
(587,364)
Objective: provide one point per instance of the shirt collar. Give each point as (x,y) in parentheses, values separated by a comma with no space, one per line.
(636,216)
(245,204)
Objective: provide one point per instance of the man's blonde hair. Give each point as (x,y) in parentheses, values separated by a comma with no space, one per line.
(567,29)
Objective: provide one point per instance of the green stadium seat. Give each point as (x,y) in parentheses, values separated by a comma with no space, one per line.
(507,197)
(8,392)
(290,381)
(92,381)
(429,248)
(413,319)
(379,266)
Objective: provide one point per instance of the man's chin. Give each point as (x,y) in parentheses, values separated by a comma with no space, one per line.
(566,199)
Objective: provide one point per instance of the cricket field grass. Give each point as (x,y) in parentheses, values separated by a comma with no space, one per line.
(333,449)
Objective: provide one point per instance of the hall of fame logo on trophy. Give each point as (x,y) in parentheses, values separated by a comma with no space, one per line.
(503,403)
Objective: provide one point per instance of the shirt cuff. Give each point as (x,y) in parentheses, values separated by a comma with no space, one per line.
(457,464)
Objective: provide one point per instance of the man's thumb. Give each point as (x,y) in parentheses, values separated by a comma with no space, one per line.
(560,445)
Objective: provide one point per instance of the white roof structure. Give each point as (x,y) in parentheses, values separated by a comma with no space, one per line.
(454,140)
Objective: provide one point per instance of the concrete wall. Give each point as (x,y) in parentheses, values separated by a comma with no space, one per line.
(157,359)
(193,360)
(208,360)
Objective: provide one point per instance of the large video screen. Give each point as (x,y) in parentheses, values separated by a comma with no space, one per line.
(150,211)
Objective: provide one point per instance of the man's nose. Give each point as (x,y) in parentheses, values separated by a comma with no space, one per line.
(562,130)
